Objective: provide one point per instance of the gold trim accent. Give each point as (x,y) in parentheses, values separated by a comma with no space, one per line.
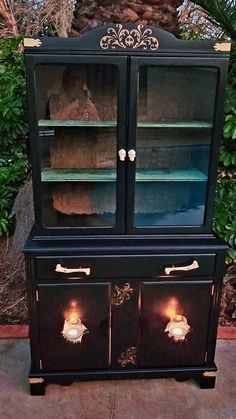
(223,46)
(122,294)
(36,380)
(210,373)
(128,357)
(134,38)
(31,42)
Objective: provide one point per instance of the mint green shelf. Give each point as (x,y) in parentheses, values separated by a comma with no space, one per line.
(73,175)
(109,175)
(112,124)
(74,123)
(175,124)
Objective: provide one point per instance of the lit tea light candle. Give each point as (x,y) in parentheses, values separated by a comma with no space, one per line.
(73,319)
(177,328)
(73,329)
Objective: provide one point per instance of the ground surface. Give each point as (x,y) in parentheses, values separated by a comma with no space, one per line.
(129,399)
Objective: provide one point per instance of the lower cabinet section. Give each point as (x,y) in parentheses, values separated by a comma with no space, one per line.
(123,325)
(117,314)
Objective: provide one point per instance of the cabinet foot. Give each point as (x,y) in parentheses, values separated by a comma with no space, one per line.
(181,379)
(207,382)
(37,389)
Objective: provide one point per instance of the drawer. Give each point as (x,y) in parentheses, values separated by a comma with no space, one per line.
(142,266)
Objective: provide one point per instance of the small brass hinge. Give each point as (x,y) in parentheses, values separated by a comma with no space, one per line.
(37,295)
(36,380)
(212,289)
(40,364)
(210,373)
(31,42)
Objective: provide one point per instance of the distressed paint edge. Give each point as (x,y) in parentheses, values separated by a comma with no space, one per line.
(36,380)
(31,42)
(222,46)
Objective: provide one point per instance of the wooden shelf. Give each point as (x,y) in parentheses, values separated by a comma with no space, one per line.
(109,175)
(75,123)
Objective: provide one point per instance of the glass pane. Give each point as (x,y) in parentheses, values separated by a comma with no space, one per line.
(174,130)
(77,120)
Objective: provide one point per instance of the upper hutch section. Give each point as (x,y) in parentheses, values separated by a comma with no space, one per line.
(125,126)
(128,38)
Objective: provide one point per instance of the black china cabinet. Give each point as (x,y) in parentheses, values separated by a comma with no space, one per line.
(124,273)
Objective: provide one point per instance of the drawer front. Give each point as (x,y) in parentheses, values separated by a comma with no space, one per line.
(167,266)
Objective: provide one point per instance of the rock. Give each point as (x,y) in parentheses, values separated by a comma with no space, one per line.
(148,14)
(129,15)
(92,13)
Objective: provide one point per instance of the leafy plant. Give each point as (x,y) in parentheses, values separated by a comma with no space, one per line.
(14,164)
(224,222)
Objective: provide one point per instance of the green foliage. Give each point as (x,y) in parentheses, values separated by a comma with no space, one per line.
(13,129)
(221,11)
(225,204)
(192,32)
(224,222)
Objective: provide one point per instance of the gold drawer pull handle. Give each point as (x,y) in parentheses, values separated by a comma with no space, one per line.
(193,265)
(60,268)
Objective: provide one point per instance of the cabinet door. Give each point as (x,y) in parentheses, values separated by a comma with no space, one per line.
(160,304)
(174,104)
(67,310)
(77,169)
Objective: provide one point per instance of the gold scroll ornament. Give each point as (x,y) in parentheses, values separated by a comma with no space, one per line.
(128,357)
(122,294)
(125,38)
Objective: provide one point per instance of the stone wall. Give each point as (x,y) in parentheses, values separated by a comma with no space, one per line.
(92,13)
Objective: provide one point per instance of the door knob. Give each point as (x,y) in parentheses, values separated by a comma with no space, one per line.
(132,154)
(122,154)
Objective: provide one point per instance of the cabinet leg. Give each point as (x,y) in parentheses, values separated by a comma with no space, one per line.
(207,382)
(181,379)
(37,389)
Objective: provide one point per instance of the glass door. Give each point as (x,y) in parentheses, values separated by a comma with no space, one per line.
(174,108)
(78,106)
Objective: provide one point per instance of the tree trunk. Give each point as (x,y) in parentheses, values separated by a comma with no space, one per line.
(24,210)
(92,13)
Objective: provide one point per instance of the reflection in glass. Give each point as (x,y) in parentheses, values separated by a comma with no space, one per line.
(77,114)
(174,130)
